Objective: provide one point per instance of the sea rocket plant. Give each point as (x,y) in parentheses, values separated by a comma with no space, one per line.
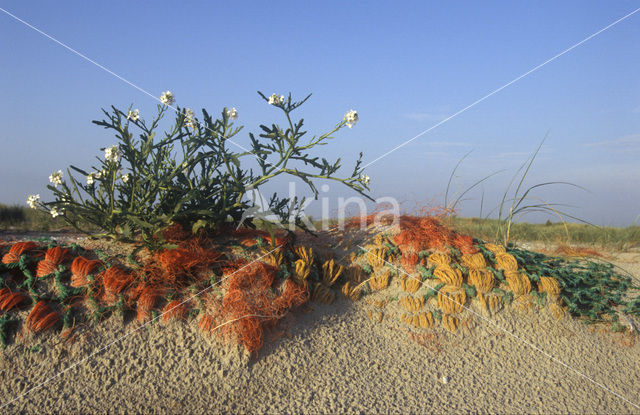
(232,114)
(190,175)
(190,118)
(32,201)
(111,154)
(134,115)
(351,118)
(56,178)
(167,98)
(276,100)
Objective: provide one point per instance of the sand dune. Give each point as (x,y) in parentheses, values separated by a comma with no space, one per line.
(332,359)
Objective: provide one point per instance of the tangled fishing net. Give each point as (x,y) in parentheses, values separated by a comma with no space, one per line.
(242,283)
(54,287)
(448,277)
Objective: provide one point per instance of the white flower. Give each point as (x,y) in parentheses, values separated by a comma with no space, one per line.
(364,179)
(125,177)
(184,167)
(111,153)
(32,200)
(98,175)
(232,113)
(55,212)
(91,178)
(351,118)
(56,178)
(134,115)
(167,98)
(190,117)
(276,100)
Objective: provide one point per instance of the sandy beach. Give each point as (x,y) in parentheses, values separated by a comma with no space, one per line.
(333,359)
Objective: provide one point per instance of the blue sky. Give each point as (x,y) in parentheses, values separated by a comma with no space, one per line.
(403,66)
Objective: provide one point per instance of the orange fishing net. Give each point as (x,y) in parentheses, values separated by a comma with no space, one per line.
(254,296)
(147,300)
(81,267)
(180,266)
(10,300)
(52,258)
(409,261)
(42,317)
(174,310)
(17,250)
(422,233)
(115,280)
(251,302)
(248,237)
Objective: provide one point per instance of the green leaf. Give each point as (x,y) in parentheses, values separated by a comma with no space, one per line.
(82,172)
(198,225)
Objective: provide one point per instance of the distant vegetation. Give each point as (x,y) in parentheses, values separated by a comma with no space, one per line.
(618,238)
(21,218)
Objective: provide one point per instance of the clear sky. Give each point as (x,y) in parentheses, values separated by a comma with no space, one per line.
(404,66)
